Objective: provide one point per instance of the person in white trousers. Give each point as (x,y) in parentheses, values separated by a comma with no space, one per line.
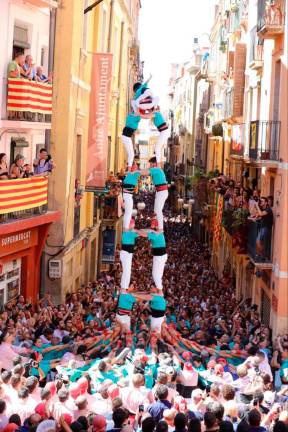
(126,256)
(129,185)
(158,244)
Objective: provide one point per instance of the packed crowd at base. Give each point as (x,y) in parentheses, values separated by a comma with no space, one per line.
(214,368)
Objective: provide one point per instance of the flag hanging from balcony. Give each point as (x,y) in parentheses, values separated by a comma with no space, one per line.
(218,218)
(23,194)
(29,96)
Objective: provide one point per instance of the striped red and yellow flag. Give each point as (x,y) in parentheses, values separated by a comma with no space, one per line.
(32,96)
(23,194)
(218,218)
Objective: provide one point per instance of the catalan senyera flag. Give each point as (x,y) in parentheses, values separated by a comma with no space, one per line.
(218,218)
(24,95)
(23,194)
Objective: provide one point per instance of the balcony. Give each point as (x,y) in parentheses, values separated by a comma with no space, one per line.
(234,221)
(261,258)
(270,18)
(256,51)
(22,198)
(264,140)
(29,101)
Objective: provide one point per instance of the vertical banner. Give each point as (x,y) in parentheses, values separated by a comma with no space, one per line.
(98,120)
(108,245)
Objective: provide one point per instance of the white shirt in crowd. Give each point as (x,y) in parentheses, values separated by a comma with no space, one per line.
(133,397)
(7,353)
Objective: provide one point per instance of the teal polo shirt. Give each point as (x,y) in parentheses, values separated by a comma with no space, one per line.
(157,240)
(158,119)
(158,302)
(131,178)
(158,176)
(126,301)
(129,237)
(132,121)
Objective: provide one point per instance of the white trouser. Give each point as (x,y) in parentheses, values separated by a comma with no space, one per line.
(158,269)
(162,138)
(128,144)
(156,324)
(126,261)
(124,321)
(128,201)
(160,199)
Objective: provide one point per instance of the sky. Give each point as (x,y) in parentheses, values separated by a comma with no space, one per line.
(166,32)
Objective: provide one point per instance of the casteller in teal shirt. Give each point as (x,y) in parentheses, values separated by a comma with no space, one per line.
(157,239)
(129,237)
(131,178)
(158,302)
(158,176)
(126,301)
(132,121)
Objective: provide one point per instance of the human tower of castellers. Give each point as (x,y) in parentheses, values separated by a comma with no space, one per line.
(144,105)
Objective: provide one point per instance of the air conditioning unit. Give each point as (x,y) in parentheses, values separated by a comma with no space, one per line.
(55,269)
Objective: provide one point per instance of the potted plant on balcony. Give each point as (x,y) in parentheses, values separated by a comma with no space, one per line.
(239,226)
(234,7)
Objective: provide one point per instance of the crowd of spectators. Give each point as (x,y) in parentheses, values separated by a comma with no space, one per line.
(42,165)
(243,205)
(24,67)
(215,367)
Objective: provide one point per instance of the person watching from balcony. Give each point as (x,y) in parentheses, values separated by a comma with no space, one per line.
(44,163)
(265,217)
(15,68)
(16,169)
(40,77)
(29,68)
(3,167)
(27,171)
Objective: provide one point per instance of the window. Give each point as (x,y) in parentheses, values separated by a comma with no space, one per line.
(20,39)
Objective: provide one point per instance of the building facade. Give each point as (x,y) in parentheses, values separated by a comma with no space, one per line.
(246,129)
(27,28)
(93,70)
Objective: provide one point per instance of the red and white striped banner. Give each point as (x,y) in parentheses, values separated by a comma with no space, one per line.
(29,96)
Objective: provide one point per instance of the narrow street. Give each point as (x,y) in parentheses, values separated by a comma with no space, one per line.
(143,216)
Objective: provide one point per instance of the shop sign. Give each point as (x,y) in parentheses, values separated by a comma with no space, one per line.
(17,241)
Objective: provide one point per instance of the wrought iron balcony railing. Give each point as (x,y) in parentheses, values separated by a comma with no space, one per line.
(264,140)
